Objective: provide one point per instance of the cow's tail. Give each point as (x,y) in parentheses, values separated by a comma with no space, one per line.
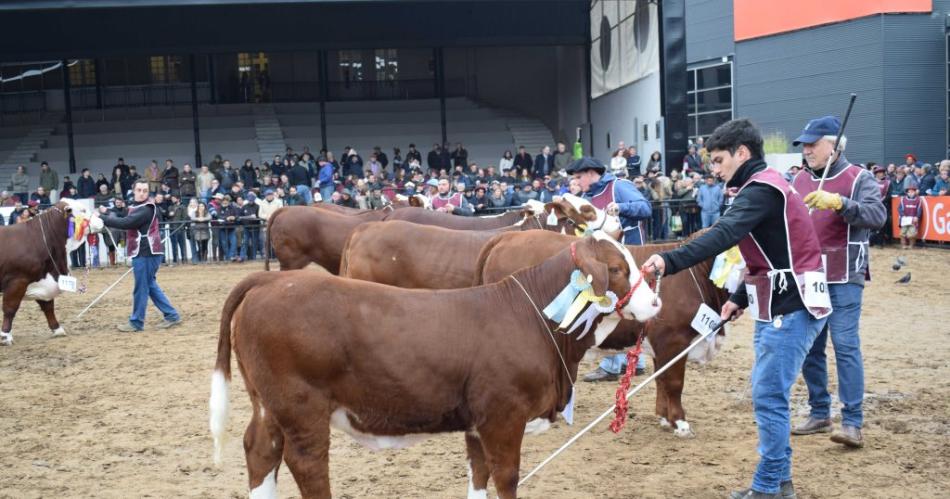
(221,377)
(483,256)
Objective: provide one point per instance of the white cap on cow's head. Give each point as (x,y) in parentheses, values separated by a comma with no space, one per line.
(603,222)
(84,209)
(643,303)
(537,207)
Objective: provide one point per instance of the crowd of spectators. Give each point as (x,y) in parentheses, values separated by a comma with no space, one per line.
(218,210)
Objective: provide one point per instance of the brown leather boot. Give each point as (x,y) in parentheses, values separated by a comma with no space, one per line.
(849,436)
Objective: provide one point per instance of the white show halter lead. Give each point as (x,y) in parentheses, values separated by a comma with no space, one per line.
(610,410)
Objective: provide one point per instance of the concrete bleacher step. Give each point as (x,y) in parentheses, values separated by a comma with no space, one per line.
(26,150)
(268,133)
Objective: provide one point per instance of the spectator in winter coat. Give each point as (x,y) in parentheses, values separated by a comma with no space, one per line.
(459,156)
(248,174)
(87,186)
(20,184)
(40,196)
(203,183)
(633,162)
(543,163)
(104,197)
(941,185)
(709,198)
(692,162)
(154,176)
(269,204)
(170,176)
(522,160)
(187,181)
(49,179)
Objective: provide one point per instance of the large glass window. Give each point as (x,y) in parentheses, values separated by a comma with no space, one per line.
(709,95)
(82,73)
(387,64)
(164,68)
(350,66)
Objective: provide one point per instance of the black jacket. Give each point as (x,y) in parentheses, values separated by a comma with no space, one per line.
(139,221)
(758,209)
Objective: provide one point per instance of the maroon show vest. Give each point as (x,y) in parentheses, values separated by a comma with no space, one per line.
(132,236)
(911,207)
(833,232)
(804,253)
(631,234)
(885,186)
(455,200)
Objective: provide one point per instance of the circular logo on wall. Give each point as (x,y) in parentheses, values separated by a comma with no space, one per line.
(604,43)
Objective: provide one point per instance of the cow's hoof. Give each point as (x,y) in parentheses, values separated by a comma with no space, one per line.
(6,339)
(683,430)
(59,332)
(665,424)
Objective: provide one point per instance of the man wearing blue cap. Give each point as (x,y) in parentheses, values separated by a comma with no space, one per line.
(618,197)
(844,212)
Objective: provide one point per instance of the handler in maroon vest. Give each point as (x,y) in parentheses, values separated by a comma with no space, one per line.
(145,250)
(844,213)
(784,290)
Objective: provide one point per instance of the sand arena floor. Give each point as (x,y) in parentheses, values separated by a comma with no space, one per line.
(106,414)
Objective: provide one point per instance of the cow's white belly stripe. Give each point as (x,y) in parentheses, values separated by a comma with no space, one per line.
(340,421)
(43,290)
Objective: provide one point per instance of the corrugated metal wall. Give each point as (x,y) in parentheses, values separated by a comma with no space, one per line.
(783,81)
(709,29)
(915,86)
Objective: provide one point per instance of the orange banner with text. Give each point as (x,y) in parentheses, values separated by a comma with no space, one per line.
(755,18)
(935,224)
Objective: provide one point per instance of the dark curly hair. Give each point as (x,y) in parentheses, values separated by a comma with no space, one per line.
(732,134)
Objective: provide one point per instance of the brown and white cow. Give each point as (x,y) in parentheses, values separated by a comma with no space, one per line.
(372,369)
(410,255)
(300,235)
(303,234)
(668,334)
(32,258)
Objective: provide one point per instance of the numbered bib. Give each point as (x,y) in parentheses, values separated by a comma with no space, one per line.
(706,321)
(753,300)
(905,221)
(67,283)
(816,291)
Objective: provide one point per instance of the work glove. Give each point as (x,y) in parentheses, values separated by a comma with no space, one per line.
(823,200)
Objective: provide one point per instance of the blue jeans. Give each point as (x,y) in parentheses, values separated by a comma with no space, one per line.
(194,249)
(305,194)
(843,327)
(779,352)
(709,218)
(252,241)
(326,192)
(228,242)
(144,269)
(617,364)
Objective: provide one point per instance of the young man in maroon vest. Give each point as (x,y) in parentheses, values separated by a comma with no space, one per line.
(910,210)
(844,212)
(145,248)
(769,222)
(447,201)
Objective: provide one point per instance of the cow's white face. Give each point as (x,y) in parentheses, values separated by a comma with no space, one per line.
(80,210)
(643,303)
(604,222)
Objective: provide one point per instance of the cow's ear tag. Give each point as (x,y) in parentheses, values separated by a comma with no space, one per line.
(552,218)
(67,283)
(590,278)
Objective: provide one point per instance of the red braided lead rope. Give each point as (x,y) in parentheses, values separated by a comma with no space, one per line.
(620,409)
(633,357)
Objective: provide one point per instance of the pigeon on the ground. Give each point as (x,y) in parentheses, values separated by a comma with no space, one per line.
(901,260)
(904,280)
(896,266)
